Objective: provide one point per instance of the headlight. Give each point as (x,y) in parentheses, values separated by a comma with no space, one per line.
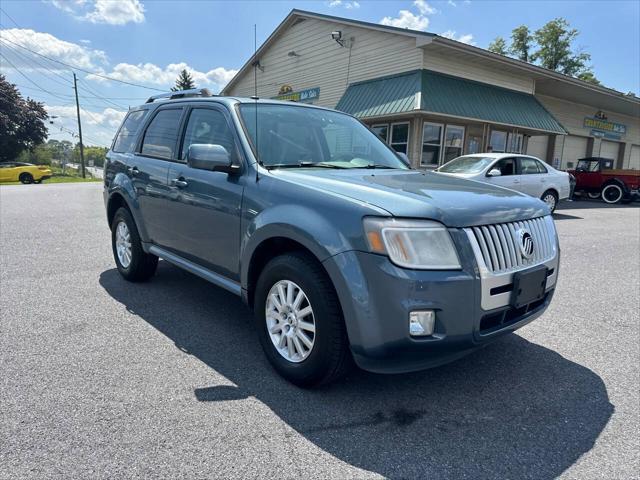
(420,244)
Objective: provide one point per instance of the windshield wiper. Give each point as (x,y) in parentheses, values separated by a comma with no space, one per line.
(304,165)
(373,165)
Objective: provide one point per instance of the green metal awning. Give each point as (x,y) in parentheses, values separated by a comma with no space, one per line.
(427,91)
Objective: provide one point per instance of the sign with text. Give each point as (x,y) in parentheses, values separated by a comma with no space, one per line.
(305,96)
(605,126)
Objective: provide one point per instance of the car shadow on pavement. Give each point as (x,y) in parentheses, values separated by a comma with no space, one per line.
(512,410)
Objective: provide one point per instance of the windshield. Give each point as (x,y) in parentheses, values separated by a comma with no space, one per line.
(466,165)
(291,136)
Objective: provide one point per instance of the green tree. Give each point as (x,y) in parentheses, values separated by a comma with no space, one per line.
(588,76)
(184,81)
(498,46)
(521,43)
(22,122)
(555,52)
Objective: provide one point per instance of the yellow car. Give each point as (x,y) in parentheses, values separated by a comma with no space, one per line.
(23,172)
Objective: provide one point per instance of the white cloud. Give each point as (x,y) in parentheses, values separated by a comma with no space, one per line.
(424,8)
(349,5)
(151,74)
(451,34)
(98,127)
(50,46)
(406,19)
(452,3)
(112,12)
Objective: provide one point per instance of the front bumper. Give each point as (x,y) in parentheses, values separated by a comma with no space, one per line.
(377,296)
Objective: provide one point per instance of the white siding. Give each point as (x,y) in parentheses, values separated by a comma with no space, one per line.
(537,146)
(323,63)
(454,65)
(634,158)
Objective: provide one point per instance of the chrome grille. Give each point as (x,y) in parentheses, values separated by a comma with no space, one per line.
(499,247)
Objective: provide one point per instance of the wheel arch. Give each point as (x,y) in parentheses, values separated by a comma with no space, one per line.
(267,249)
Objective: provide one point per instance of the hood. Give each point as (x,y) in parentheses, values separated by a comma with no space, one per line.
(450,200)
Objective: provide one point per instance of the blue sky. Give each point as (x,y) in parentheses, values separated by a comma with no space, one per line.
(147,42)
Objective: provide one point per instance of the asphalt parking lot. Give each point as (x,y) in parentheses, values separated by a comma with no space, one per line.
(100,378)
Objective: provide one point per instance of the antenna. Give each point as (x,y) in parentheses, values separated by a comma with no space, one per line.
(255,90)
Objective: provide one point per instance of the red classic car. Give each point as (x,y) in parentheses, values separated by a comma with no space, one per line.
(595,177)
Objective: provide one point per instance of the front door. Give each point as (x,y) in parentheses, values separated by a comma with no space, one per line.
(204,210)
(508,177)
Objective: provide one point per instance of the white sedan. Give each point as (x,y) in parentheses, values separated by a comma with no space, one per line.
(523,173)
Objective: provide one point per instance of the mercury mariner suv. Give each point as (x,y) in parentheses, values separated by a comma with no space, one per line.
(342,250)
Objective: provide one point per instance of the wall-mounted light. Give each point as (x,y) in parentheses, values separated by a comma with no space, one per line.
(337,36)
(292,53)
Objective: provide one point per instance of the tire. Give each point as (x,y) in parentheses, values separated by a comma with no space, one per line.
(551,199)
(25,178)
(328,358)
(136,266)
(38,181)
(612,193)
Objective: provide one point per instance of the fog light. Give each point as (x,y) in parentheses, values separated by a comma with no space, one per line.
(421,323)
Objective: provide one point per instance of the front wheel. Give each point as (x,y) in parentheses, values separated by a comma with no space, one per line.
(133,263)
(299,321)
(551,199)
(612,193)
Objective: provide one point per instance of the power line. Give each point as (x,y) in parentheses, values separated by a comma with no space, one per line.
(28,79)
(67,82)
(82,69)
(86,88)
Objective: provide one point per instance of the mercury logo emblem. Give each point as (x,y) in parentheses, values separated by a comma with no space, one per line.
(526,243)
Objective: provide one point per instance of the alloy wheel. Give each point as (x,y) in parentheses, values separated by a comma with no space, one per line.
(550,200)
(123,244)
(290,321)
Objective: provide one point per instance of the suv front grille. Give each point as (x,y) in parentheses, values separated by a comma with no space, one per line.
(499,245)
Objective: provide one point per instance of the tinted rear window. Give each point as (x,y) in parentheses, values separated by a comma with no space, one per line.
(127,134)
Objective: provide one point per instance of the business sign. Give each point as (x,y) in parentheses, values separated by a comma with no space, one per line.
(304,96)
(609,129)
(599,134)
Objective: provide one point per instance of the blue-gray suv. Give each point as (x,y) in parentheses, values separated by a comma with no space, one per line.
(342,250)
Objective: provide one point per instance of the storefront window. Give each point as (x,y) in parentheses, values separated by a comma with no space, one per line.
(381,131)
(453,142)
(400,137)
(475,144)
(498,142)
(515,143)
(431,144)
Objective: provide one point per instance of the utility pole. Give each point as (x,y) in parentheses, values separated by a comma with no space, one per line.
(75,87)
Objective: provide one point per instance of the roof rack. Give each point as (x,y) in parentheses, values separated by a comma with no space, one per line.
(194,92)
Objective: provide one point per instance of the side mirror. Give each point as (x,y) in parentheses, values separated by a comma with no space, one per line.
(205,156)
(494,172)
(403,156)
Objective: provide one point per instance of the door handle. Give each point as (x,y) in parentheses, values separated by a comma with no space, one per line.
(179,183)
(133,171)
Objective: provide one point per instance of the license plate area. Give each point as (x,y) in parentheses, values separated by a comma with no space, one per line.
(528,286)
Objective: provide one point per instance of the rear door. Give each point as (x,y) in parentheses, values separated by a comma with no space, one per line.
(204,211)
(533,177)
(149,168)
